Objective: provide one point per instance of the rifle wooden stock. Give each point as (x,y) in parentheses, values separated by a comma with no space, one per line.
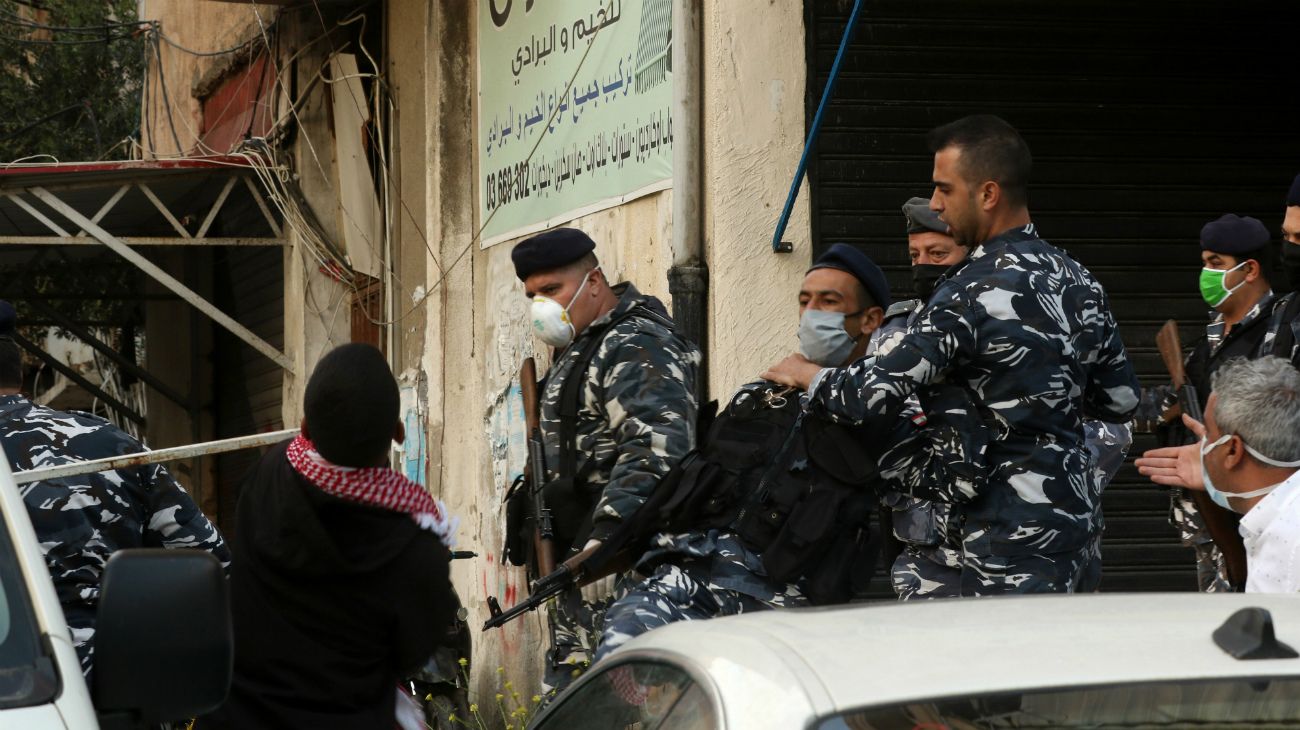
(1171,352)
(535,471)
(528,388)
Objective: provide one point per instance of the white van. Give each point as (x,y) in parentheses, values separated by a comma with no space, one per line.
(163,648)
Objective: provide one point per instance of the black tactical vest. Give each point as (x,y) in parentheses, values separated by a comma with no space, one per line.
(797,490)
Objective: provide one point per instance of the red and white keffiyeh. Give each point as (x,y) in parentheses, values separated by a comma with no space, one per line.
(373,486)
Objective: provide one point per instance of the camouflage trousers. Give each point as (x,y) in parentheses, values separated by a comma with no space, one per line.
(576,619)
(926,572)
(671,594)
(1211,569)
(918,574)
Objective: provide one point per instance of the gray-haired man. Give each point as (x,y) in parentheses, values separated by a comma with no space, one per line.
(1248,460)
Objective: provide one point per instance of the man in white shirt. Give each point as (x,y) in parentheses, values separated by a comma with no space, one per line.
(1248,460)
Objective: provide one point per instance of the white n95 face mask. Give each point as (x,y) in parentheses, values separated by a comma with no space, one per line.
(551,321)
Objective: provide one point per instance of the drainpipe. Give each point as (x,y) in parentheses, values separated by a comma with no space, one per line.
(688,279)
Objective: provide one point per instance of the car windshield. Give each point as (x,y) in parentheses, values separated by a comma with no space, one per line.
(1223,703)
(27,676)
(641,695)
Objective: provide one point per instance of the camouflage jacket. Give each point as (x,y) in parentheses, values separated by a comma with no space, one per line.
(923,523)
(637,407)
(1028,331)
(82,520)
(1283,336)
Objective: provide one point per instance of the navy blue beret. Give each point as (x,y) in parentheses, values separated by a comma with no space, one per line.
(550,250)
(921,219)
(8,319)
(846,258)
(1234,235)
(1293,196)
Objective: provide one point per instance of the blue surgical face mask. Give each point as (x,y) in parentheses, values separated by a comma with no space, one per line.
(1221,498)
(823,339)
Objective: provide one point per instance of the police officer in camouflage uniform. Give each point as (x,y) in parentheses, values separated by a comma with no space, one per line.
(1029,332)
(929,564)
(1234,282)
(707,572)
(635,415)
(81,521)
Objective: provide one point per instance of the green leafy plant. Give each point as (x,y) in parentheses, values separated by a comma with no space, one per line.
(515,710)
(70,77)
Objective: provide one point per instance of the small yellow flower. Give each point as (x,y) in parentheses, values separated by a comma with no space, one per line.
(473,709)
(428,697)
(463,662)
(500,697)
(501,670)
(537,699)
(575,673)
(452,717)
(509,685)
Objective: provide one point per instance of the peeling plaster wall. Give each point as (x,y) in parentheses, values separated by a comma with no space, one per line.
(477,337)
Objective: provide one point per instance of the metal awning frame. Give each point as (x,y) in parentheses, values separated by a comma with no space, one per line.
(28,197)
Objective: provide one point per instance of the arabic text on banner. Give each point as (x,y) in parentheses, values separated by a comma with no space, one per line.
(606,141)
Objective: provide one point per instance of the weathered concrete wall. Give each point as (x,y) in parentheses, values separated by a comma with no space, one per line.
(198,26)
(754,83)
(477,334)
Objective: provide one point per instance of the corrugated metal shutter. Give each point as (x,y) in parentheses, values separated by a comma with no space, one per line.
(249,286)
(1146,120)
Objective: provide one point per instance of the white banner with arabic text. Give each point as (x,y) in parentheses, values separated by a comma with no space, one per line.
(546,156)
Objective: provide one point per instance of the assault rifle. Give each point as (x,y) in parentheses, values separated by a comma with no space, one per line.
(616,554)
(535,472)
(573,572)
(1219,522)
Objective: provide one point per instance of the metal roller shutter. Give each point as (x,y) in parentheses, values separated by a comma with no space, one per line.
(1146,120)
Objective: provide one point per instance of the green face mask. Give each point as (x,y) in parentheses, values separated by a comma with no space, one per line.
(1212,289)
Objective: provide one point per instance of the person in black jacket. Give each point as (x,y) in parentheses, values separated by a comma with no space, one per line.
(340,582)
(1284,323)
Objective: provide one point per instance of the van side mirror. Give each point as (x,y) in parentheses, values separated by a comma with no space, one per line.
(164,649)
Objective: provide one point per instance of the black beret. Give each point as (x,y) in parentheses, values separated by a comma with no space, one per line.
(550,250)
(921,219)
(8,320)
(1293,196)
(846,258)
(1234,235)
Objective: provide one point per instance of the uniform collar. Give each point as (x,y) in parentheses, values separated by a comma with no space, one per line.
(1214,330)
(628,297)
(1027,232)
